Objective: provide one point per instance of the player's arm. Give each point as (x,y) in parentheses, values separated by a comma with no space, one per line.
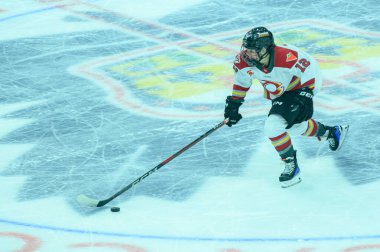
(242,83)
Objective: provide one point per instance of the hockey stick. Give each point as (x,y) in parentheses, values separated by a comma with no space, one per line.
(87,201)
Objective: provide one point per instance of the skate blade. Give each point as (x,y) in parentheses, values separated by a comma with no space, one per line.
(292,182)
(345,129)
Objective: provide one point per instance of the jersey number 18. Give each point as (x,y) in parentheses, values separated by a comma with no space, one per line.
(302,64)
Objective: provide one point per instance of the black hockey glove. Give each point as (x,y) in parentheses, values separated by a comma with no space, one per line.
(231,111)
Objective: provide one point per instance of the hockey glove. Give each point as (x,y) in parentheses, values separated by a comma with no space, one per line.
(231,110)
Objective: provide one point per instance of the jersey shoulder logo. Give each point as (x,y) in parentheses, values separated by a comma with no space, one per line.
(290,57)
(285,57)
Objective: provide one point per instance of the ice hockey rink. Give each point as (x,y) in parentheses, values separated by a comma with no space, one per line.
(96,93)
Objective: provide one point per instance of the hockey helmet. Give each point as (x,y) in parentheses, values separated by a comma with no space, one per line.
(258,38)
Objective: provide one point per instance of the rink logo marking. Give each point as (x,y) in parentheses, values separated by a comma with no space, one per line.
(148,83)
(107,16)
(158,109)
(191,238)
(152,111)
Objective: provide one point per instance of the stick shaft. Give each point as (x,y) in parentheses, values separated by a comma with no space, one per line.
(145,175)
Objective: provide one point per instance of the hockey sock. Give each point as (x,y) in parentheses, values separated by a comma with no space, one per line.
(315,129)
(283,145)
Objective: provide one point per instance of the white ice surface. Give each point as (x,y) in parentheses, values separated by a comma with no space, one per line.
(246,212)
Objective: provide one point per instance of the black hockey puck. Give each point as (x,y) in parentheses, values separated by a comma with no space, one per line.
(115,209)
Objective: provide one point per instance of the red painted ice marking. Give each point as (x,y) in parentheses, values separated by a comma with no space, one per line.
(108,245)
(31,243)
(363,248)
(231,250)
(305,250)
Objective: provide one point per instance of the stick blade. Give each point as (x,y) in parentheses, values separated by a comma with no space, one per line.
(87,201)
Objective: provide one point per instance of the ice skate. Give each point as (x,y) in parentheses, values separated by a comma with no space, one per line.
(336,136)
(291,174)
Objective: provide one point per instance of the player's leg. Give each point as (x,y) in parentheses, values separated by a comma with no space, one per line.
(283,113)
(335,135)
(288,110)
(275,129)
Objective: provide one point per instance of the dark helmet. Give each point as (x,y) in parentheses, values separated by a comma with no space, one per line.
(258,38)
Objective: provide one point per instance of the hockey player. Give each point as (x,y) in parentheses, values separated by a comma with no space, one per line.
(290,78)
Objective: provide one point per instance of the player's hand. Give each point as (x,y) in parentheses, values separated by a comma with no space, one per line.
(231,111)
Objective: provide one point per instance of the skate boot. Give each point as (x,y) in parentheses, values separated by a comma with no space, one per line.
(291,174)
(336,136)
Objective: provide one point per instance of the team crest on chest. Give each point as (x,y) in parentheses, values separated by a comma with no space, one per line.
(274,88)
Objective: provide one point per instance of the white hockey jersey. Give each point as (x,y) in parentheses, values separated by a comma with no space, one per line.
(289,69)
